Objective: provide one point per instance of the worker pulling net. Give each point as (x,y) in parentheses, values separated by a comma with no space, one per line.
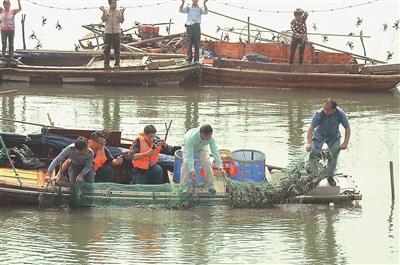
(163,196)
(284,185)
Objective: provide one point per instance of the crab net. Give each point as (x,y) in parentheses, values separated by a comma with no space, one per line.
(283,187)
(163,196)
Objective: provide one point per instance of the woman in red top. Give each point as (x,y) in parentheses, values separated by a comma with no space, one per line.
(7,18)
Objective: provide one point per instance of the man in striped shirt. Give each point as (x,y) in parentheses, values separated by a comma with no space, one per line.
(299,37)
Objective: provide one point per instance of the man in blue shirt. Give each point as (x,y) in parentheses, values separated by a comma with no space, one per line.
(197,141)
(324,128)
(193,31)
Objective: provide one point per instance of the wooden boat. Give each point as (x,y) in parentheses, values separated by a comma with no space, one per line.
(29,184)
(243,77)
(87,68)
(321,70)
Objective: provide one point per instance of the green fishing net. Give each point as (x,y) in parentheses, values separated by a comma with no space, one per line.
(283,186)
(168,196)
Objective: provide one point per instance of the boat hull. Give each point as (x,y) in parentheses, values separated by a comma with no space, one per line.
(175,75)
(292,80)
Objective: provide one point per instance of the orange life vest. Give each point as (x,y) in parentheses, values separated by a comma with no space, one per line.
(144,162)
(100,157)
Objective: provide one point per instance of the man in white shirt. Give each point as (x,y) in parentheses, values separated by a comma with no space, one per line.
(193,31)
(112,17)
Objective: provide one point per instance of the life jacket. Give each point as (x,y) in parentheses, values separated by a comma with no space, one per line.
(144,162)
(100,157)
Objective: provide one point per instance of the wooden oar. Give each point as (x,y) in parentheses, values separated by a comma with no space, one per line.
(29,123)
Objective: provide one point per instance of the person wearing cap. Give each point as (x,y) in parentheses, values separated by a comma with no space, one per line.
(144,154)
(324,128)
(299,35)
(197,141)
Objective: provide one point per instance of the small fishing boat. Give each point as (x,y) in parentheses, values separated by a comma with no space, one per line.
(87,68)
(28,185)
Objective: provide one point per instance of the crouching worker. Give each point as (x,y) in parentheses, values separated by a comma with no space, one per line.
(197,141)
(144,152)
(81,158)
(103,161)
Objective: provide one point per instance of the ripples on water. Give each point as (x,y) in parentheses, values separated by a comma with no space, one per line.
(274,122)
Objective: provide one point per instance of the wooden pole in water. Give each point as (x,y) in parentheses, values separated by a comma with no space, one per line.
(248,30)
(23,31)
(392,179)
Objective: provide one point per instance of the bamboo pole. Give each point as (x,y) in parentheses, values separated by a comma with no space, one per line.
(288,35)
(136,43)
(392,179)
(23,31)
(169,26)
(28,123)
(248,30)
(8,92)
(362,43)
(314,33)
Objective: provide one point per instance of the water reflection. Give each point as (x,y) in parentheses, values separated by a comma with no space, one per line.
(274,122)
(8,112)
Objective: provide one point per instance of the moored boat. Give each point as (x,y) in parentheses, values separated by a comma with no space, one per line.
(87,68)
(320,70)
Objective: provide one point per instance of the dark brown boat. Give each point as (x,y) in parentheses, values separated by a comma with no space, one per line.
(321,70)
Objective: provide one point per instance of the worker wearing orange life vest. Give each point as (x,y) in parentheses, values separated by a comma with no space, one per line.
(145,151)
(103,160)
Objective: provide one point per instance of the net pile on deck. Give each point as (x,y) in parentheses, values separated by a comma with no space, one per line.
(292,181)
(164,196)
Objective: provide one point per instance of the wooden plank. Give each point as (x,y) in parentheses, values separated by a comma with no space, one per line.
(6,92)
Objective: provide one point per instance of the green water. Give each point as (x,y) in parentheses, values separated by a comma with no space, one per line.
(274,122)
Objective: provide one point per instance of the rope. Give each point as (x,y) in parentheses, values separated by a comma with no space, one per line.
(94,7)
(291,11)
(4,150)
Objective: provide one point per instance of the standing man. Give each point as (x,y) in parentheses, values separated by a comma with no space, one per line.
(7,20)
(299,37)
(112,17)
(197,140)
(81,159)
(193,31)
(324,128)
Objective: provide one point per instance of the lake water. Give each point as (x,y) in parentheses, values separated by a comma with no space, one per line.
(274,122)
